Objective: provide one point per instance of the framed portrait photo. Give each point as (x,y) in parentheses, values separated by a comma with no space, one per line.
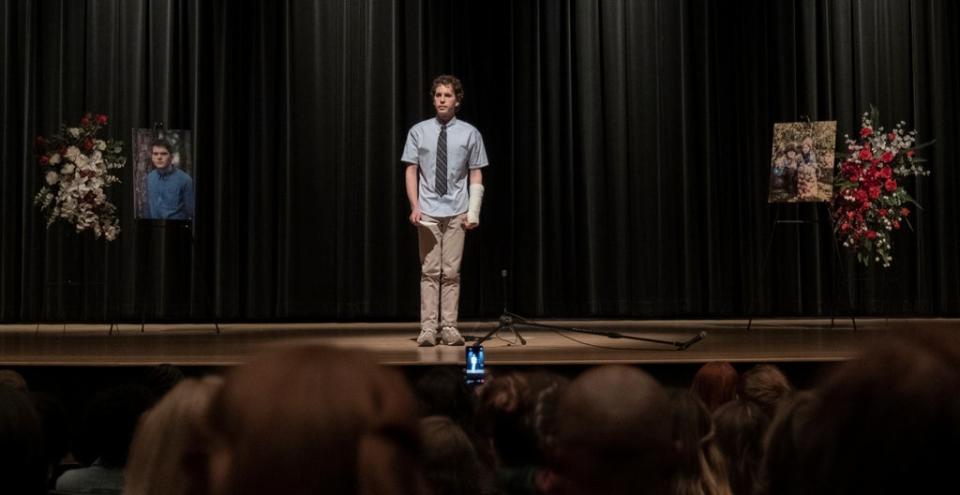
(163,174)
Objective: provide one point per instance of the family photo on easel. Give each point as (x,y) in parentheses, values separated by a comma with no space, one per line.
(801,168)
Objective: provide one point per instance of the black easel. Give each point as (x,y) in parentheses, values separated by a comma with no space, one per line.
(165,225)
(163,233)
(510,321)
(838,258)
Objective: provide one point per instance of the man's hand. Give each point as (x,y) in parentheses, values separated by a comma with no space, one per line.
(415,216)
(410,180)
(467,225)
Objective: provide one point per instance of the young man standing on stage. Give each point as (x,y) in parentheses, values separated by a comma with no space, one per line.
(441,155)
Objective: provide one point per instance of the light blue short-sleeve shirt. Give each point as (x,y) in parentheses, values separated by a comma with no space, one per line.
(465,151)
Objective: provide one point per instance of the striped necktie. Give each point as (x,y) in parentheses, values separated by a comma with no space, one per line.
(441,179)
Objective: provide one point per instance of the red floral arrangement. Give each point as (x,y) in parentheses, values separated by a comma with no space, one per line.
(77,168)
(870,201)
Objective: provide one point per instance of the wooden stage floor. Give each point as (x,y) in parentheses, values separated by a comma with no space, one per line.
(769,340)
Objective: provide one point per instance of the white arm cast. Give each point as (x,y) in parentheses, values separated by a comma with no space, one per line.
(476,199)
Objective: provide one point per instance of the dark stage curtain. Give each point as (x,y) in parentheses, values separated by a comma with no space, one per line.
(629,142)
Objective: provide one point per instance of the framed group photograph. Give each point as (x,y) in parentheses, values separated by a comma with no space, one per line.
(801,166)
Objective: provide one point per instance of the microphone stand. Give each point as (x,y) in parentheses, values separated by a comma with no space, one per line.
(509,321)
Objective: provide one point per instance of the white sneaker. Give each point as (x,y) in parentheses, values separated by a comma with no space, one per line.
(450,336)
(427,338)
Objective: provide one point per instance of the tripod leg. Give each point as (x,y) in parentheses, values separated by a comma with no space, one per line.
(763,266)
(493,332)
(522,340)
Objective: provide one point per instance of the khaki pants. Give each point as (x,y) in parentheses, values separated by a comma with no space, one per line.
(441,249)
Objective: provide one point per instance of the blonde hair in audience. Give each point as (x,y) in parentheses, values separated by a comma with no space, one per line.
(164,435)
(704,470)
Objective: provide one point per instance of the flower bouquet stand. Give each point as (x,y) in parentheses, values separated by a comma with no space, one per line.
(71,288)
(77,168)
(871,204)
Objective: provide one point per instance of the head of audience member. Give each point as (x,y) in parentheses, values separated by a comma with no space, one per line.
(613,435)
(715,383)
(701,469)
(13,380)
(517,413)
(785,438)
(441,391)
(110,420)
(765,385)
(56,431)
(741,426)
(167,433)
(886,423)
(449,458)
(311,419)
(22,469)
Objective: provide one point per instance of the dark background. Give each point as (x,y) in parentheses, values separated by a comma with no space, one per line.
(629,144)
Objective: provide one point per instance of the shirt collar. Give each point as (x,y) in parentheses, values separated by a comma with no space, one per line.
(450,122)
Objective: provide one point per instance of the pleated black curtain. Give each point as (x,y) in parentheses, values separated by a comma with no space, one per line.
(629,145)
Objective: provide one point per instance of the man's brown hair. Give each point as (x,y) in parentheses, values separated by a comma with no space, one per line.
(448,80)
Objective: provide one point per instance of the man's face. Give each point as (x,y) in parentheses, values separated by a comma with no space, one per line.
(160,157)
(445,101)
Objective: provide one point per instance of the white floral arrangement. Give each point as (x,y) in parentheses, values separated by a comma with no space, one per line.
(77,167)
